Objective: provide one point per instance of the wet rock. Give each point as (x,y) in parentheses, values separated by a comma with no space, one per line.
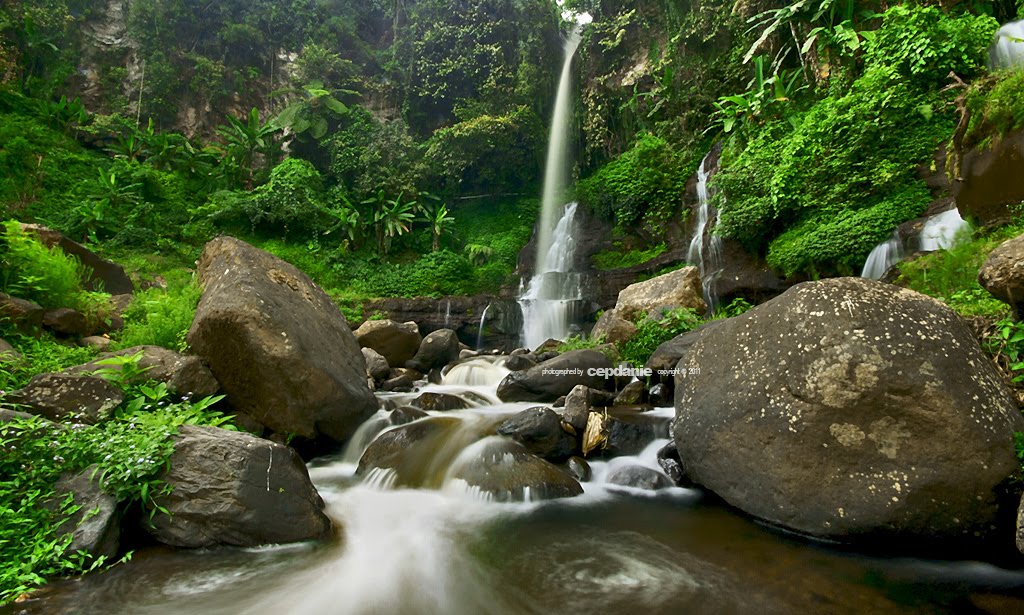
(540,431)
(439,402)
(613,328)
(468,354)
(435,376)
(626,432)
(579,469)
(231,488)
(551,379)
(436,350)
(406,414)
(60,397)
(96,526)
(663,361)
(1003,273)
(413,455)
(677,289)
(632,395)
(103,275)
(183,374)
(639,477)
(25,316)
(519,362)
(660,395)
(278,345)
(668,459)
(580,401)
(376,365)
(396,342)
(402,383)
(503,470)
(67,322)
(875,411)
(546,355)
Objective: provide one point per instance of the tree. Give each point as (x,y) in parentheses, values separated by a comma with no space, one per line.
(440,221)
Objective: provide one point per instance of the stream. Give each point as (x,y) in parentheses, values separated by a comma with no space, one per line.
(449,550)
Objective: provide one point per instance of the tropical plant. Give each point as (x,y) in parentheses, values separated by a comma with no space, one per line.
(313,110)
(440,221)
(247,138)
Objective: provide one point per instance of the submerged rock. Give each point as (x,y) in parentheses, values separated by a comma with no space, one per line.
(848,407)
(500,469)
(639,477)
(60,397)
(230,488)
(415,454)
(555,377)
(396,342)
(540,431)
(278,345)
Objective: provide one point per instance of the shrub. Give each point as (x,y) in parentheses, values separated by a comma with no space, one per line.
(653,332)
(30,270)
(290,202)
(996,106)
(619,259)
(38,356)
(160,318)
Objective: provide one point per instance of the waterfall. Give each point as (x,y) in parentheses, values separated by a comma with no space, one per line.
(941,231)
(550,301)
(447,313)
(1008,49)
(709,258)
(883,257)
(550,297)
(480,330)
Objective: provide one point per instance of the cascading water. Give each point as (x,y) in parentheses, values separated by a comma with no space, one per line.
(883,257)
(707,257)
(942,231)
(480,330)
(1008,49)
(554,291)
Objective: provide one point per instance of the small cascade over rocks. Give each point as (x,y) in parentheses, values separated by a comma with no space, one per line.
(705,249)
(883,257)
(941,231)
(1007,51)
(553,296)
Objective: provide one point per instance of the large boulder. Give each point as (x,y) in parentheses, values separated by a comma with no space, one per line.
(415,454)
(848,407)
(60,397)
(990,176)
(395,341)
(613,328)
(67,322)
(555,377)
(497,468)
(540,431)
(436,350)
(26,316)
(677,289)
(183,374)
(281,350)
(102,274)
(231,488)
(1003,273)
(376,365)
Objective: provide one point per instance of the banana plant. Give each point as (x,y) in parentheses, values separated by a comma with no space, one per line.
(246,138)
(313,110)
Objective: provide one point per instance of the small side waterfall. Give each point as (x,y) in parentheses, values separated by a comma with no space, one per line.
(1008,49)
(549,298)
(707,257)
(883,257)
(941,231)
(480,329)
(552,298)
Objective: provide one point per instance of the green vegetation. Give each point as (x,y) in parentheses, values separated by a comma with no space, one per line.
(126,455)
(652,332)
(38,356)
(619,259)
(160,317)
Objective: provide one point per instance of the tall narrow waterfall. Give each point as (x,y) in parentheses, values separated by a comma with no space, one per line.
(554,290)
(706,247)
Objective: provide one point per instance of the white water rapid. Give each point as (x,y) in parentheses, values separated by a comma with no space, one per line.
(942,231)
(1008,49)
(549,298)
(883,257)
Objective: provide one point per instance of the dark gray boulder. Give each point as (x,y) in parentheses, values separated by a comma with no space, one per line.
(1003,273)
(183,374)
(67,322)
(101,274)
(555,377)
(60,397)
(540,431)
(281,350)
(230,488)
(503,470)
(413,455)
(845,408)
(8,352)
(631,395)
(376,365)
(24,315)
(436,350)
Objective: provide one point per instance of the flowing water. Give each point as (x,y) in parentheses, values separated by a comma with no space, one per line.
(1008,49)
(883,257)
(445,549)
(942,231)
(548,300)
(706,247)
